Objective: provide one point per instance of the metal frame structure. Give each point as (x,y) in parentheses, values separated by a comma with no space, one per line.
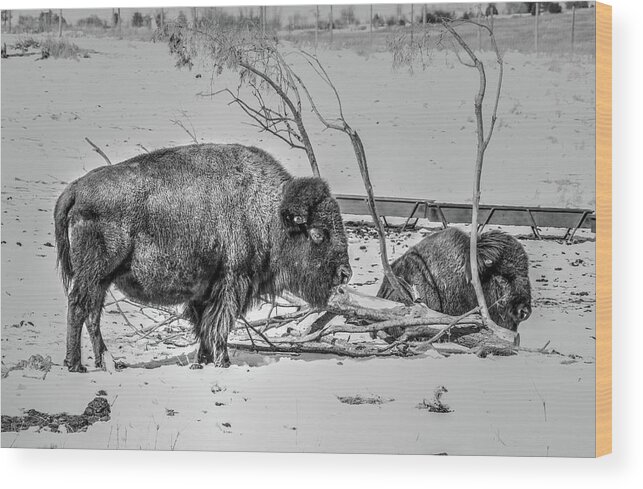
(410,209)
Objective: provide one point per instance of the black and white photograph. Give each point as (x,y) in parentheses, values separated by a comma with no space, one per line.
(347,229)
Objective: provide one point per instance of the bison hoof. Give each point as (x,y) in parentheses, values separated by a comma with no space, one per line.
(75,367)
(222,362)
(196,366)
(107,363)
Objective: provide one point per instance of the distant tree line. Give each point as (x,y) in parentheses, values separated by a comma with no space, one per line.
(48,20)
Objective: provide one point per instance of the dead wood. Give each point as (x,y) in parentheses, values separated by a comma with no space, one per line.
(353,304)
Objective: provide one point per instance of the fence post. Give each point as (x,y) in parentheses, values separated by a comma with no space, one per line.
(60,23)
(412,14)
(316,25)
(371,30)
(479,29)
(537,13)
(573,26)
(331,24)
(263,22)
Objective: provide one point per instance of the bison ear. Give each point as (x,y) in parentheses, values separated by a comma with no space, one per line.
(300,197)
(491,248)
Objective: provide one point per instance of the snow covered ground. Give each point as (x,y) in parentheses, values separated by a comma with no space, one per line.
(419,135)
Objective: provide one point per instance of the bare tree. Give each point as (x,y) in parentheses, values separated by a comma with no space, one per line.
(340,124)
(482,143)
(262,69)
(405,54)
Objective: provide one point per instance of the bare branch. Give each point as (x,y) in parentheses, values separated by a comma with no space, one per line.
(192,134)
(483,142)
(99,151)
(266,121)
(360,155)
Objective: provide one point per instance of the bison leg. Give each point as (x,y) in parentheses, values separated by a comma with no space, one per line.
(93,328)
(94,262)
(75,319)
(212,332)
(85,305)
(194,313)
(216,320)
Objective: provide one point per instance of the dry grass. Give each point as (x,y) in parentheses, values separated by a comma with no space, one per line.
(61,48)
(512,34)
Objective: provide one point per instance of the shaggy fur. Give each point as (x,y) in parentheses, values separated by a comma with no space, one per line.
(209,226)
(439,268)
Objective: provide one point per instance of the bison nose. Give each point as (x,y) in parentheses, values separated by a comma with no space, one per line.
(523,312)
(344,274)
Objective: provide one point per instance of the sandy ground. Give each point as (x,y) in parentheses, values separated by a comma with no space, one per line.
(127,93)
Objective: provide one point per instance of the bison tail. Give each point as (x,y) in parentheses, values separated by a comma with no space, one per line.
(61,224)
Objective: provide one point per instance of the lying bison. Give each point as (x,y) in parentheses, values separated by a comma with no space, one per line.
(210,226)
(438,267)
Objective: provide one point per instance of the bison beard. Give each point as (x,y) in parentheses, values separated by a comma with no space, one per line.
(214,227)
(438,267)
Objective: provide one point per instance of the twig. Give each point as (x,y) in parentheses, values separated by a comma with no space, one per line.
(127,321)
(249,335)
(263,337)
(182,126)
(99,151)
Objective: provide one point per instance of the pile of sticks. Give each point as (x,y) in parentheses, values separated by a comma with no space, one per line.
(350,320)
(346,327)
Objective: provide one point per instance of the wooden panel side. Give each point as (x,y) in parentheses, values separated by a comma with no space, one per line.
(603,229)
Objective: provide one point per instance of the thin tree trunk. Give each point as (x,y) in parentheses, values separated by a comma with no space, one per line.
(360,155)
(482,143)
(60,23)
(331,24)
(573,26)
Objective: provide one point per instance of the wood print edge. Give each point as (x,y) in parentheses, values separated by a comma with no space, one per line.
(603,229)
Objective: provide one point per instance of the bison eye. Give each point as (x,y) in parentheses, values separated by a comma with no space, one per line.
(317,235)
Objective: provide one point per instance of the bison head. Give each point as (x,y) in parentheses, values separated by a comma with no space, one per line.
(313,254)
(503,266)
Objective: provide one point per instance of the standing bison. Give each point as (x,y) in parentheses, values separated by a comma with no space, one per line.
(438,266)
(210,226)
